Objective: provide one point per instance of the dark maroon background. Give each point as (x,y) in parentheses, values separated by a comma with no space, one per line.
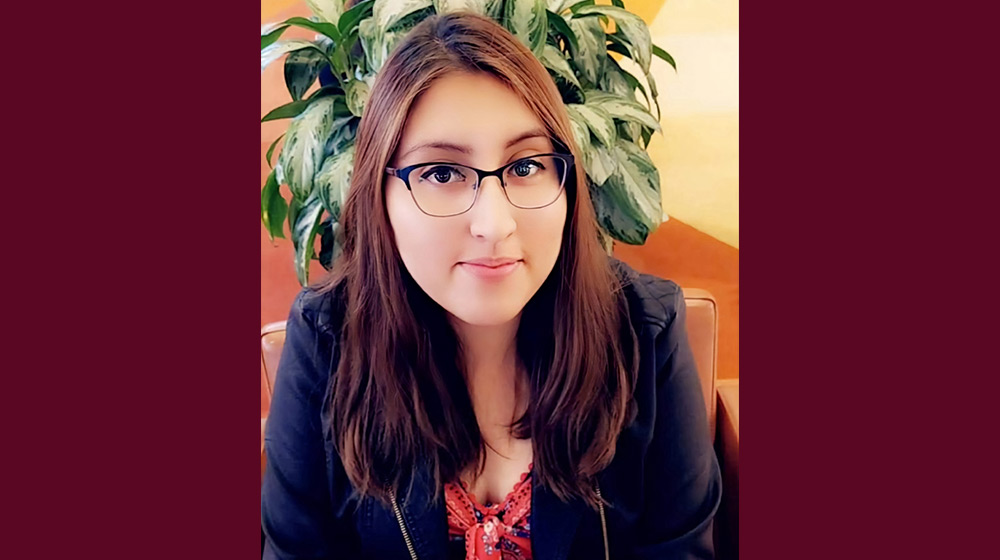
(132,272)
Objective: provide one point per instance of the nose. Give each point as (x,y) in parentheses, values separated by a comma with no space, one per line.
(491,217)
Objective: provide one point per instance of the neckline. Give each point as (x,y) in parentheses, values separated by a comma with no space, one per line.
(475,502)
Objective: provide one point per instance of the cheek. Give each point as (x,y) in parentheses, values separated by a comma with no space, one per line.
(419,239)
(546,231)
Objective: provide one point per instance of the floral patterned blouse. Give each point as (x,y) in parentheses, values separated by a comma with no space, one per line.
(494,532)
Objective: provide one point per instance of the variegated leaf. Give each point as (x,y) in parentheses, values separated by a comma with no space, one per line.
(581,133)
(325,43)
(639,159)
(589,57)
(494,9)
(640,173)
(598,161)
(613,216)
(305,143)
(327,10)
(334,180)
(387,13)
(369,35)
(279,173)
(357,92)
(621,108)
(603,162)
(556,6)
(527,20)
(273,52)
(614,79)
(630,130)
(330,243)
(628,205)
(553,59)
(344,130)
(376,43)
(301,70)
(599,121)
(632,28)
(620,81)
(306,224)
(445,6)
(619,45)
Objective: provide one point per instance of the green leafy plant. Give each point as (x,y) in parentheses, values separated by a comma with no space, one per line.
(574,41)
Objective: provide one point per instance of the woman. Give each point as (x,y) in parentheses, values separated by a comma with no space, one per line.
(477,379)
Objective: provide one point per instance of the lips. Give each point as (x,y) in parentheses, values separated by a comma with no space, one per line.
(490,268)
(492,262)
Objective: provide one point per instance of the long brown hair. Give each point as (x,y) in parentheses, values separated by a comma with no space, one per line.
(398,394)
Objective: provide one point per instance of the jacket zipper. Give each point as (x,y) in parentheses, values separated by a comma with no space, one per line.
(604,524)
(413,554)
(402,526)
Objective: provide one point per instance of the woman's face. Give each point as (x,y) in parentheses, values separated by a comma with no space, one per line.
(472,119)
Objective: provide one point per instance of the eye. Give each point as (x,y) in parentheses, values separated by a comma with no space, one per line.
(526,167)
(443,174)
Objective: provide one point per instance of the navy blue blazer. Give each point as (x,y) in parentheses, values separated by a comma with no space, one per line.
(663,485)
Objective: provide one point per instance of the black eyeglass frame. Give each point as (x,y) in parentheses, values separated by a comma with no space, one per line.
(404,174)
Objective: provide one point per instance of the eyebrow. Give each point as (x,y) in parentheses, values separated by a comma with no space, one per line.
(535,133)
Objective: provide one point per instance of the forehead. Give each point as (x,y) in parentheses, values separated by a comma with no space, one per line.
(476,111)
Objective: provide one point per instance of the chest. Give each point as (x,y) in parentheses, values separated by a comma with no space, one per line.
(502,472)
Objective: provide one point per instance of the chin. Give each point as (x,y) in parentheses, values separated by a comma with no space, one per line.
(486,315)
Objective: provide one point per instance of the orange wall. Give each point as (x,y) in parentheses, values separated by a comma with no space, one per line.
(271,10)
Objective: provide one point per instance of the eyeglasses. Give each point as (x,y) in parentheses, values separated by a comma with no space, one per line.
(444,189)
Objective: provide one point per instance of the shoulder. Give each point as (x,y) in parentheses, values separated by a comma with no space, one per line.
(322,310)
(654,303)
(312,333)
